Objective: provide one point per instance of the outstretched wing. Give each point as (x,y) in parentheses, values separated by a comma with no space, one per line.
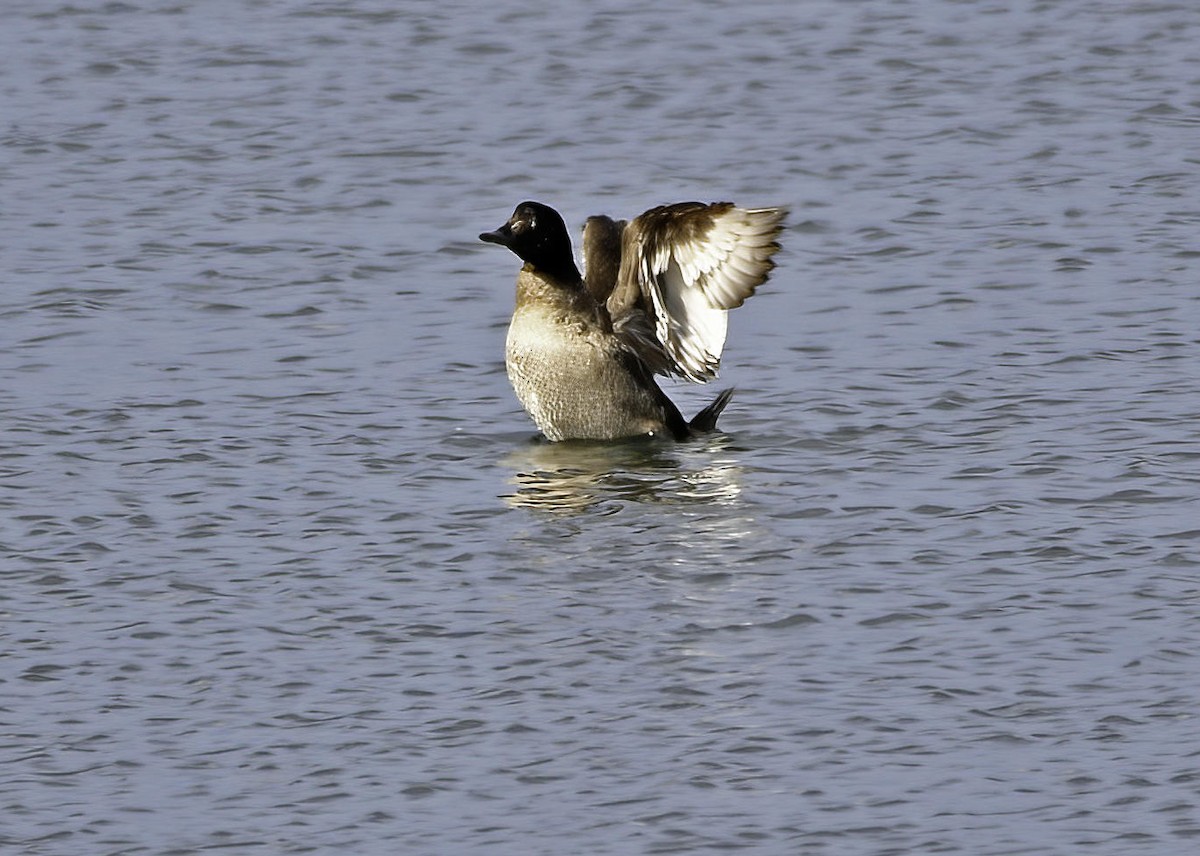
(686,265)
(602,255)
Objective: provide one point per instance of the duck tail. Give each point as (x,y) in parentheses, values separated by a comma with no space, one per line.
(705,422)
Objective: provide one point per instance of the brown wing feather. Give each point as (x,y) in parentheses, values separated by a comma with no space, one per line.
(684,266)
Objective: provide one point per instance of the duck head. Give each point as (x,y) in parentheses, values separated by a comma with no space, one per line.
(538,235)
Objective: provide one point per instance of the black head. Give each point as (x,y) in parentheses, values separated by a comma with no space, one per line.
(537,234)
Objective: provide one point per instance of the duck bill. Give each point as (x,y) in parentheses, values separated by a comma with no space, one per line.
(502,236)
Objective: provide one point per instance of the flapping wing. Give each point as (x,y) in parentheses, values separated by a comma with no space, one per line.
(601,255)
(686,265)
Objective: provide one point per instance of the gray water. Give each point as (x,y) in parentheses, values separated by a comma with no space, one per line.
(284,570)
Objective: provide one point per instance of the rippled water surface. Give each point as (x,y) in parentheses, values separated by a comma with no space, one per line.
(284,570)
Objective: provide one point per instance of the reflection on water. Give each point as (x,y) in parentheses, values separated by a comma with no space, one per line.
(580,476)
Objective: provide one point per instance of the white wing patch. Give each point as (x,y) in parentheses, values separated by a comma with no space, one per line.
(691,277)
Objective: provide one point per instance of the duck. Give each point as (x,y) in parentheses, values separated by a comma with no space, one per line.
(583,350)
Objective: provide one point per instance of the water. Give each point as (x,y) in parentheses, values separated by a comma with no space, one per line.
(285,573)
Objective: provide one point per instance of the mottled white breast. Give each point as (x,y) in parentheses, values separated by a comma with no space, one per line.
(571,380)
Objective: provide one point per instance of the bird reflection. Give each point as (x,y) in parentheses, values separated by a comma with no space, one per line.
(574,477)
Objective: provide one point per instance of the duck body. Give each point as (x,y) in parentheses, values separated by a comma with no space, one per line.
(572,375)
(582,355)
